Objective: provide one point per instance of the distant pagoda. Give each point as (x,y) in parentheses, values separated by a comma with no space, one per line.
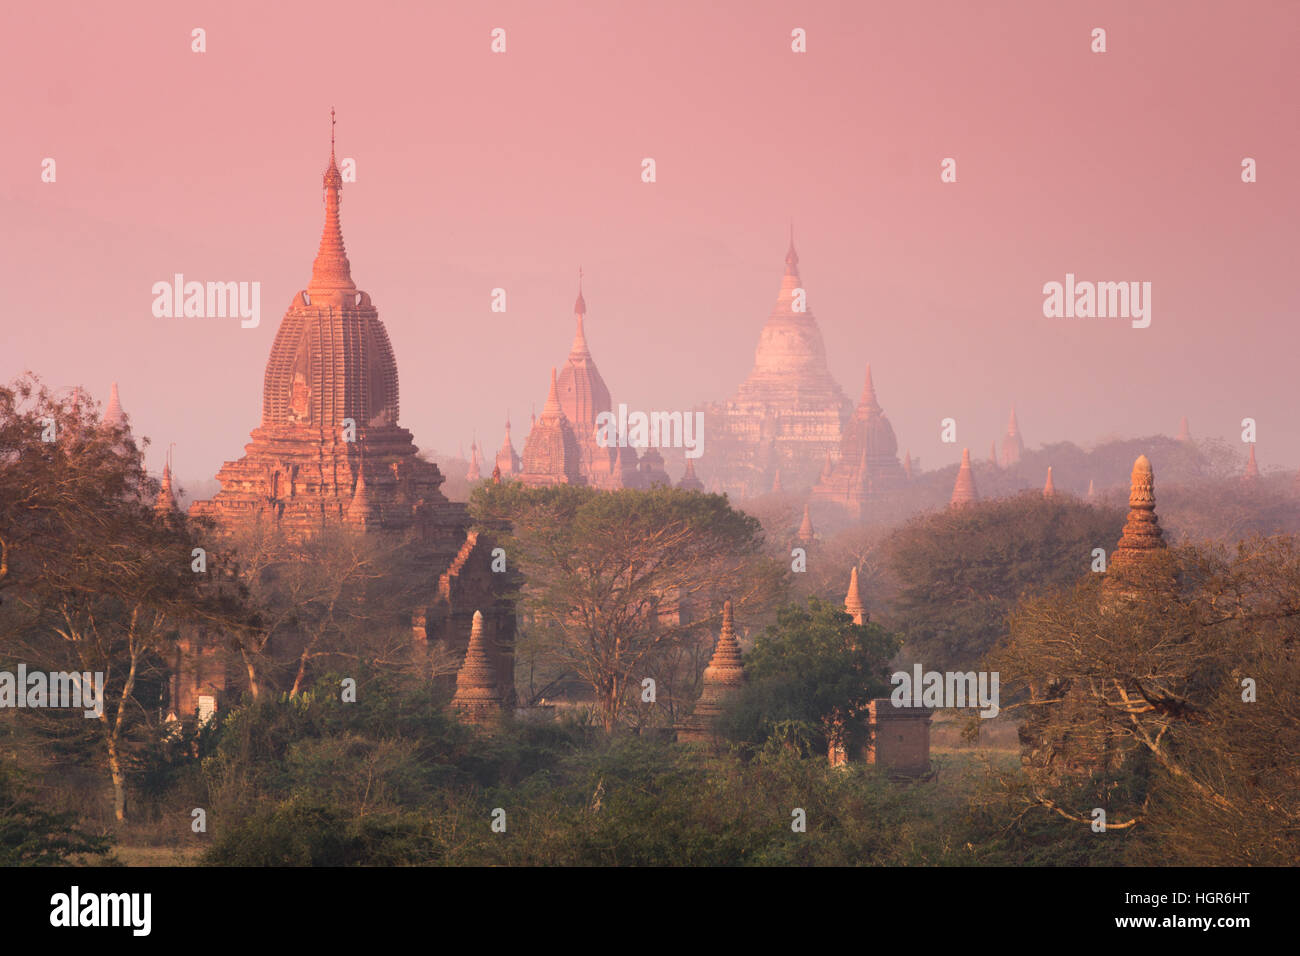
(1141,566)
(789,412)
(868,463)
(964,491)
(722,678)
(1013,445)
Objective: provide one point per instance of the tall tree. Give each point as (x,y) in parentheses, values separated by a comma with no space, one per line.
(92,578)
(959,572)
(1177,711)
(616,580)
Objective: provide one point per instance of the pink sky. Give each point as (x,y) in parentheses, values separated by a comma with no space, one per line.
(478,170)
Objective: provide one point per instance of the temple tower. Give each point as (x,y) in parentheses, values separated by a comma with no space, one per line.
(722,678)
(552,455)
(1141,564)
(1013,446)
(853,600)
(477,699)
(868,457)
(507,462)
(329,410)
(964,491)
(789,411)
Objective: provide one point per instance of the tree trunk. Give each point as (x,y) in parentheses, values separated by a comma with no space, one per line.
(119,781)
(250,666)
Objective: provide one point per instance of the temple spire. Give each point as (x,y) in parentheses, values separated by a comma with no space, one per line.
(963,489)
(1012,444)
(477,699)
(868,399)
(725,663)
(907,463)
(114,417)
(166,501)
(331,272)
(806,533)
(1184,432)
(579,349)
(1252,469)
(792,257)
(1049,489)
(853,600)
(1140,561)
(552,407)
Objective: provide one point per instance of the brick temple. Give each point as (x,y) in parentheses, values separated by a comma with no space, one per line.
(562,446)
(330,452)
(787,417)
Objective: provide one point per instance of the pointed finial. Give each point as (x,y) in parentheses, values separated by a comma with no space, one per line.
(869,391)
(580,306)
(1049,489)
(331,271)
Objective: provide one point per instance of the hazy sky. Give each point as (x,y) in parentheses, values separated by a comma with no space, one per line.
(478,170)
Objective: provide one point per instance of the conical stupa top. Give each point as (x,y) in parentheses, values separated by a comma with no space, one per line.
(1184,433)
(552,407)
(690,469)
(1140,562)
(475,681)
(331,272)
(1252,469)
(792,257)
(1142,485)
(907,463)
(806,532)
(963,489)
(361,510)
(475,462)
(868,392)
(165,501)
(1091,492)
(853,600)
(1013,427)
(507,454)
(725,667)
(113,415)
(1049,489)
(579,349)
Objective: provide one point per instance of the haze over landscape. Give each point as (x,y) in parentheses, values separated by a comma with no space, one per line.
(476,172)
